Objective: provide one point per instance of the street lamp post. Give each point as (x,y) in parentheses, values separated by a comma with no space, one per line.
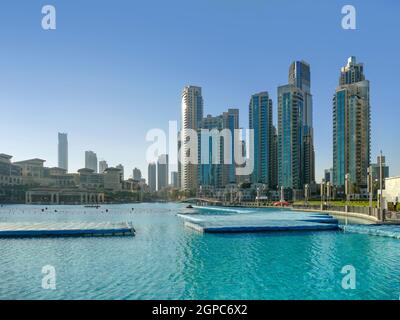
(258,196)
(347,189)
(306,193)
(370,187)
(328,192)
(282,200)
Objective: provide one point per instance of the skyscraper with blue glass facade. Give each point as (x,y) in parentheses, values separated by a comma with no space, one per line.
(351,126)
(290,137)
(300,76)
(260,121)
(214,134)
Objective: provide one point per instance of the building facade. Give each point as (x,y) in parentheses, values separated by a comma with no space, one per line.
(10,174)
(63,151)
(290,137)
(217,166)
(137,174)
(351,126)
(300,77)
(121,169)
(103,165)
(152,177)
(174,179)
(260,121)
(91,161)
(192,115)
(162,172)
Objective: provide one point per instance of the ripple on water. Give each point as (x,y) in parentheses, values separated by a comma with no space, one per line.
(167,261)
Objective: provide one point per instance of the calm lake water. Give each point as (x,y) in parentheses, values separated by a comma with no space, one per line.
(165,260)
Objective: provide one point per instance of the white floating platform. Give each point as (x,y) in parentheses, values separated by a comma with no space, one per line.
(260,222)
(387,230)
(66,229)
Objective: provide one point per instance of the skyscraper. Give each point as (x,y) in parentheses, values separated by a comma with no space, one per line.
(102,166)
(213,169)
(137,174)
(162,172)
(290,137)
(122,171)
(63,151)
(192,115)
(152,176)
(230,122)
(174,179)
(351,126)
(274,160)
(260,121)
(300,76)
(91,160)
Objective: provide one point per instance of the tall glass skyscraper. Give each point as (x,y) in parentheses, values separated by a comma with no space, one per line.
(351,126)
(152,176)
(213,170)
(192,115)
(63,151)
(162,172)
(91,160)
(300,76)
(260,120)
(290,137)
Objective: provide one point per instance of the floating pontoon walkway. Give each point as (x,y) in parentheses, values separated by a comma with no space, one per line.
(383,230)
(260,222)
(67,229)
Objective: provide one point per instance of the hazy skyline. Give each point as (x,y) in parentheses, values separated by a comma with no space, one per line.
(111,72)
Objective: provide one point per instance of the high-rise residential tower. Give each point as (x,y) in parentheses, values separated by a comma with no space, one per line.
(174,179)
(91,160)
(137,174)
(192,115)
(102,166)
(351,126)
(152,176)
(290,137)
(260,121)
(213,169)
(300,76)
(162,172)
(122,171)
(63,151)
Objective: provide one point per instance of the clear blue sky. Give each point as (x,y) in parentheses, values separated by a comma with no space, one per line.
(115,69)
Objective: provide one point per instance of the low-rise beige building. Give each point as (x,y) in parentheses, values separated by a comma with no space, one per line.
(391,194)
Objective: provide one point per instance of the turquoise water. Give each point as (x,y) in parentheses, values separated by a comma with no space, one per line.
(168,261)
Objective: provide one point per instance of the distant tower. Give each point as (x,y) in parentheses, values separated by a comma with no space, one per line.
(122,171)
(192,114)
(212,172)
(152,176)
(102,166)
(162,172)
(91,160)
(63,151)
(351,126)
(137,174)
(174,179)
